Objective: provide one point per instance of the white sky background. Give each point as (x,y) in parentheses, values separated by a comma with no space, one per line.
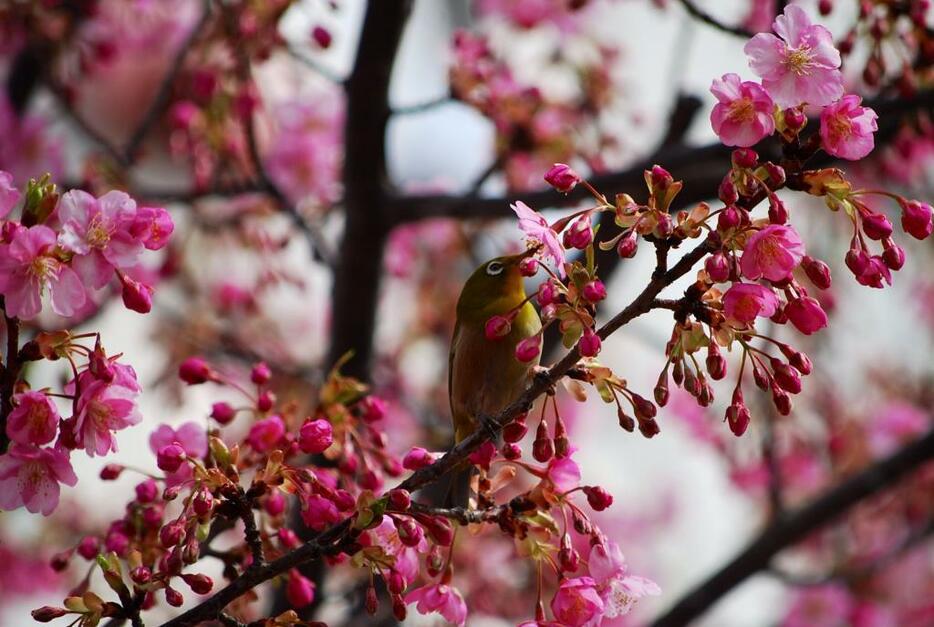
(453,144)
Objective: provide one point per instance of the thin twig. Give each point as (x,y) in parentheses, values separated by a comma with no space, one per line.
(314,65)
(462,515)
(421,107)
(708,19)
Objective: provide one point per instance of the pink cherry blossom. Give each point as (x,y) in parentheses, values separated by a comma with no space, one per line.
(577,603)
(266,433)
(153,226)
(386,536)
(802,66)
(29,476)
(104,407)
(191,436)
(536,229)
(100,233)
(28,266)
(441,598)
(743,302)
(319,513)
(34,420)
(806,314)
(9,195)
(846,128)
(819,606)
(743,115)
(619,590)
(772,253)
(563,473)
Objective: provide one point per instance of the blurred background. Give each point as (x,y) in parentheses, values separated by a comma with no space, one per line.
(348,237)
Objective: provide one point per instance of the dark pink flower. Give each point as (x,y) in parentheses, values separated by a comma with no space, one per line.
(34,420)
(772,253)
(104,407)
(318,513)
(802,66)
(743,302)
(153,226)
(846,128)
(29,476)
(577,603)
(299,590)
(743,115)
(806,314)
(28,267)
(100,233)
(266,433)
(316,436)
(440,598)
(562,177)
(917,218)
(537,230)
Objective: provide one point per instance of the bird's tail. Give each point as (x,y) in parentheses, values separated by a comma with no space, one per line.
(457,492)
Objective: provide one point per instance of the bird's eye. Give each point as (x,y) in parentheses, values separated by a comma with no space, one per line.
(493,268)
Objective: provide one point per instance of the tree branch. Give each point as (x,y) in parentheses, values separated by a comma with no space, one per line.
(702,16)
(795,526)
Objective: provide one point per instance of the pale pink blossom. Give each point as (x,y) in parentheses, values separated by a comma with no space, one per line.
(36,151)
(441,598)
(29,476)
(386,536)
(34,420)
(536,228)
(619,590)
(743,115)
(9,195)
(801,65)
(846,128)
(819,606)
(744,302)
(563,473)
(100,233)
(104,407)
(28,266)
(772,253)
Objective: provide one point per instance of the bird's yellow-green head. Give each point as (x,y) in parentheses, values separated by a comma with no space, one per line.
(494,288)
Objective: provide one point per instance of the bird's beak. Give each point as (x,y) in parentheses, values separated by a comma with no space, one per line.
(531,251)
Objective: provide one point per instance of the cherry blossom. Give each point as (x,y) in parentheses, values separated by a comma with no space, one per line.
(846,128)
(801,65)
(28,266)
(34,420)
(619,590)
(772,253)
(104,407)
(441,598)
(30,477)
(744,302)
(9,195)
(536,228)
(806,314)
(577,603)
(744,114)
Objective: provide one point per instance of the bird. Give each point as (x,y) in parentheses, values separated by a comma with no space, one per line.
(484,375)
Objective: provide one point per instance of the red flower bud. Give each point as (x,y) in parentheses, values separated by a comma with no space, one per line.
(718,267)
(625,420)
(89,547)
(917,218)
(627,246)
(173,597)
(745,158)
(321,36)
(893,256)
(497,327)
(795,119)
(417,458)
(140,575)
(199,584)
(817,271)
(598,498)
(223,412)
(170,457)
(111,472)
(136,296)
(147,491)
(528,267)
(782,400)
(203,503)
(727,191)
(260,374)
(299,590)
(877,226)
(579,234)
(265,401)
(778,213)
(515,431)
(171,534)
(399,499)
(716,363)
(589,344)
(511,451)
(786,377)
(195,370)
(594,291)
(529,348)
(316,436)
(737,416)
(47,613)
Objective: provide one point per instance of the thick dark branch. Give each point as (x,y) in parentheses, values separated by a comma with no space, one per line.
(462,515)
(702,16)
(787,530)
(9,373)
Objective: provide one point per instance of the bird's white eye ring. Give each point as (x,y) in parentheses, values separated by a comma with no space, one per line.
(493,268)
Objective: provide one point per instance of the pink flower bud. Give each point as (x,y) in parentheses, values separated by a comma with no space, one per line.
(483,455)
(147,491)
(858,261)
(776,174)
(917,218)
(718,267)
(396,582)
(528,267)
(111,472)
(745,158)
(203,502)
(664,226)
(322,37)
(511,451)
(778,213)
(644,407)
(170,457)
(579,234)
(716,363)
(371,601)
(781,400)
(171,534)
(260,373)
(136,296)
(729,218)
(893,256)
(195,370)
(89,547)
(400,500)
(497,327)
(223,412)
(274,504)
(373,408)
(141,575)
(265,401)
(440,529)
(548,293)
(589,344)
(660,179)
(514,431)
(199,584)
(795,119)
(316,436)
(628,245)
(173,597)
(876,226)
(543,448)
(287,537)
(562,178)
(737,416)
(817,271)
(594,291)
(183,114)
(417,458)
(806,314)
(529,348)
(647,426)
(727,191)
(786,377)
(410,532)
(299,590)
(598,498)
